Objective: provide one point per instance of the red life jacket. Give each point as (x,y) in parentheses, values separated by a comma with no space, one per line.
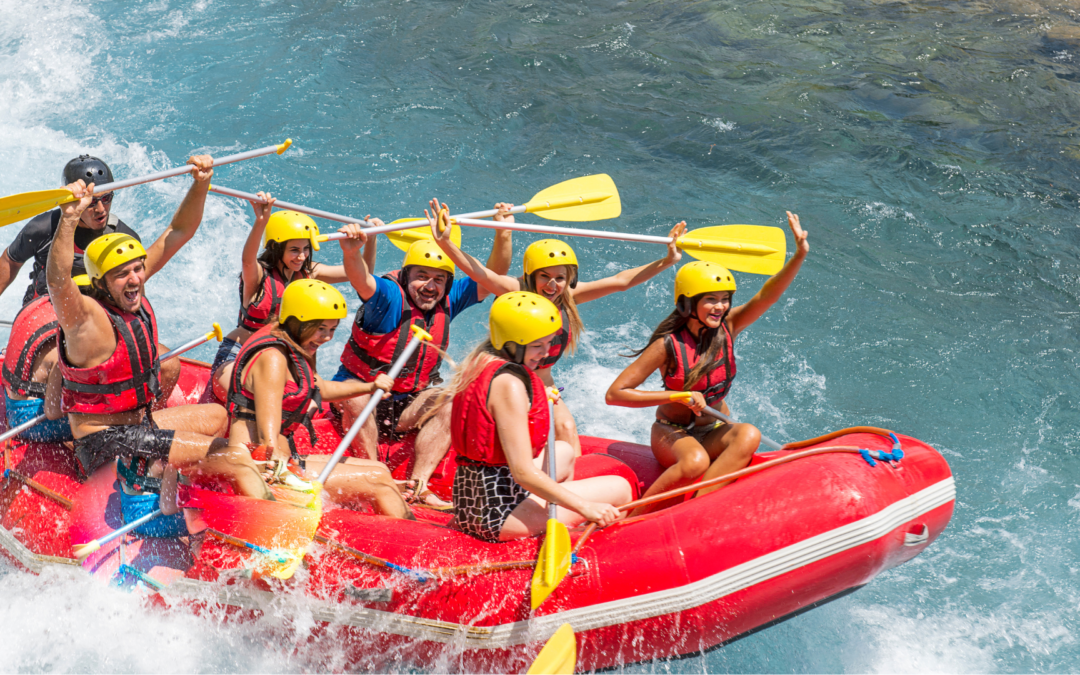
(33,330)
(296,409)
(128,380)
(682,349)
(367,354)
(558,345)
(472,429)
(264,306)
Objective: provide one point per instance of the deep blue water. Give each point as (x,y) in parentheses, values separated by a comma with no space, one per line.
(930,149)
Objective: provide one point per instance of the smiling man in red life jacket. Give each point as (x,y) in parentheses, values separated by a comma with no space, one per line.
(422,293)
(35,239)
(108,358)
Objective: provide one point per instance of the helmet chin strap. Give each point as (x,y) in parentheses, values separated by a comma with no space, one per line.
(513,354)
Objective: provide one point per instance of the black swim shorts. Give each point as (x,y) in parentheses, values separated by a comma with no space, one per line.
(130,441)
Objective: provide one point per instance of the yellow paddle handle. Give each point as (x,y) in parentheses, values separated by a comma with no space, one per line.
(284,146)
(216,333)
(553,394)
(421,333)
(444,220)
(578,200)
(681,396)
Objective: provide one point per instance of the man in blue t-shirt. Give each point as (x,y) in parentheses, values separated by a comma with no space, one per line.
(422,293)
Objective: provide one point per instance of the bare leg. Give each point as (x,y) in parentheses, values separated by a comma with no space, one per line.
(220,380)
(686,459)
(362,481)
(566,428)
(433,440)
(367,441)
(738,443)
(564,462)
(530,517)
(208,419)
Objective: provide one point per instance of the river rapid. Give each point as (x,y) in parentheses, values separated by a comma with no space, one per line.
(930,149)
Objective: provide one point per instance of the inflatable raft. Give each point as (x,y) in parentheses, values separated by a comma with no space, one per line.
(401,594)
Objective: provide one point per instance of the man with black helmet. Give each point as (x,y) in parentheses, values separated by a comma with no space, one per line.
(37,235)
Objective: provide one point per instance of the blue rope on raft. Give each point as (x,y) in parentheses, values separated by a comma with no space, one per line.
(418,575)
(118,578)
(896,455)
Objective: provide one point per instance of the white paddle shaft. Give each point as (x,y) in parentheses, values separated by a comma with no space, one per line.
(553,511)
(318,213)
(180,170)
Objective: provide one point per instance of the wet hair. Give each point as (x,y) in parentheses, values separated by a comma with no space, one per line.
(99,292)
(564,301)
(470,369)
(274,253)
(711,341)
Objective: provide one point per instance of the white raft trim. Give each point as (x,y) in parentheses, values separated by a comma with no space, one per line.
(605,614)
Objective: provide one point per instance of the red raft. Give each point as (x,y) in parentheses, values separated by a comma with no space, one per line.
(399,593)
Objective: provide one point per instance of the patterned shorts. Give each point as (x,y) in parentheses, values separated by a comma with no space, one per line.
(484,497)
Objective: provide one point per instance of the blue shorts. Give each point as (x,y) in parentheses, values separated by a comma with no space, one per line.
(49,431)
(226,353)
(134,507)
(343,374)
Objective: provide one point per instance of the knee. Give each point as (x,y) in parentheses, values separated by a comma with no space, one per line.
(624,493)
(566,427)
(695,463)
(748,439)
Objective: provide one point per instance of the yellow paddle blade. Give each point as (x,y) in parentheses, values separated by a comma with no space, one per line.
(403,239)
(578,200)
(29,204)
(553,562)
(559,655)
(744,248)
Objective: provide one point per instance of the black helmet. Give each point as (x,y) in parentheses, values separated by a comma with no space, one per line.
(88,169)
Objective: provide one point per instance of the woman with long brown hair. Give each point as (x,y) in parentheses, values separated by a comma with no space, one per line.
(694,350)
(551,271)
(275,389)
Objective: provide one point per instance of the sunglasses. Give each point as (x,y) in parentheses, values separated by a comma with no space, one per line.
(103,199)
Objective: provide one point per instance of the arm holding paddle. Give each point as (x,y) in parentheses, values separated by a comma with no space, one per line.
(185,221)
(250,269)
(338,391)
(744,315)
(594,290)
(356,267)
(489,280)
(336,274)
(73,310)
(509,402)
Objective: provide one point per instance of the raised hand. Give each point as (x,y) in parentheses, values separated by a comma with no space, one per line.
(800,234)
(503,215)
(262,210)
(355,237)
(438,220)
(84,193)
(674,253)
(204,167)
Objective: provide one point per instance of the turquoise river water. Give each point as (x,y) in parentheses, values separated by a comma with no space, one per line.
(930,148)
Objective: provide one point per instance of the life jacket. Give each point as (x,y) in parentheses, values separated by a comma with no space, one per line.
(264,306)
(682,347)
(296,399)
(128,380)
(558,345)
(472,428)
(368,354)
(34,329)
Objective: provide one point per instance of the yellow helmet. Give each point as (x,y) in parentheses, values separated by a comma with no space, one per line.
(111,251)
(285,225)
(82,280)
(310,300)
(548,253)
(522,317)
(426,252)
(702,277)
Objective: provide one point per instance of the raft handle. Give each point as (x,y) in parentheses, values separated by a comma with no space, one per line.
(917,538)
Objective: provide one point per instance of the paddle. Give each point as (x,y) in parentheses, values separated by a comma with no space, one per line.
(553,561)
(745,248)
(28,204)
(559,655)
(82,551)
(724,418)
(577,200)
(419,335)
(15,431)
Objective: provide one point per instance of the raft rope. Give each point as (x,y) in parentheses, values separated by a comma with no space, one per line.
(423,576)
(869,455)
(138,575)
(31,483)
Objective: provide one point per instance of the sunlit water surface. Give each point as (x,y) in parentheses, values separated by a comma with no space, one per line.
(929,148)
